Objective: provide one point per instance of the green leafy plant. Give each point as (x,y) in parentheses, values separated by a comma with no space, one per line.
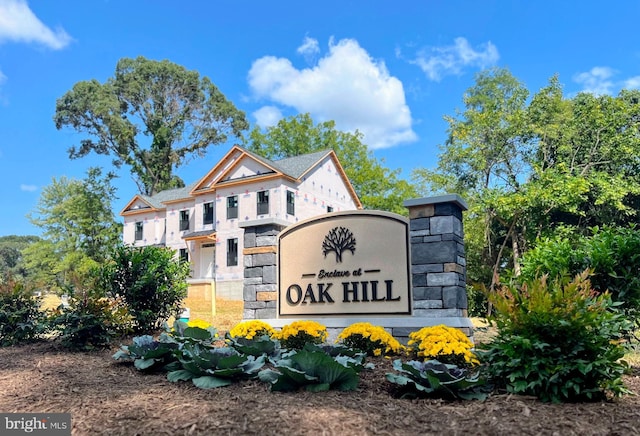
(295,335)
(147,354)
(20,317)
(370,339)
(150,280)
(436,379)
(313,370)
(90,321)
(557,340)
(214,367)
(256,346)
(612,254)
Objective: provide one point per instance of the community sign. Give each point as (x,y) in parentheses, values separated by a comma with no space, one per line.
(345,263)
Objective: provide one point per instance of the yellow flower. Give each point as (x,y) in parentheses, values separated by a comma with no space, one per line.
(370,339)
(442,343)
(251,329)
(198,323)
(296,334)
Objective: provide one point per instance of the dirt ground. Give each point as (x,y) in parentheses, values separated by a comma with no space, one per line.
(107,397)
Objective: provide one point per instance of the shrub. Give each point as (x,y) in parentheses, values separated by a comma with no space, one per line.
(370,339)
(298,333)
(151,281)
(557,340)
(612,255)
(444,344)
(20,317)
(251,329)
(90,321)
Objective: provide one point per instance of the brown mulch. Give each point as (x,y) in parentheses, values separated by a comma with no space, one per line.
(107,397)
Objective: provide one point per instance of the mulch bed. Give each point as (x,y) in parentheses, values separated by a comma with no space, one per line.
(107,397)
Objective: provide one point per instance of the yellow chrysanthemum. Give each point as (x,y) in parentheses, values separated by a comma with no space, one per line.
(198,323)
(296,334)
(374,340)
(251,329)
(442,343)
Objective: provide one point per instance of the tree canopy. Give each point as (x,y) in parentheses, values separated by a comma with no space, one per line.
(79,229)
(539,167)
(152,116)
(377,186)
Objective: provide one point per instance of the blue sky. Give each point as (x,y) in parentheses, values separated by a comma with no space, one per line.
(389,69)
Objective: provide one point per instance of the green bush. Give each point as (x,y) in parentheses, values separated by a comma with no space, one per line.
(557,340)
(150,280)
(90,321)
(20,317)
(612,254)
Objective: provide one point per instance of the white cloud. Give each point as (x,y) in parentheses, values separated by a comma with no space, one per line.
(632,83)
(267,116)
(18,23)
(596,81)
(28,188)
(309,49)
(437,62)
(346,85)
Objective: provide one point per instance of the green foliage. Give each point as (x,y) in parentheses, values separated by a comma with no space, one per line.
(79,230)
(377,187)
(147,354)
(151,282)
(536,168)
(435,379)
(20,317)
(477,302)
(313,370)
(557,340)
(91,320)
(179,114)
(257,346)
(11,259)
(611,254)
(203,363)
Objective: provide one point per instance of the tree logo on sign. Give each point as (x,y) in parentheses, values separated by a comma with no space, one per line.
(339,240)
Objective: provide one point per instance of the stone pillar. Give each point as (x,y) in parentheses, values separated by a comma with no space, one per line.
(260,289)
(438,264)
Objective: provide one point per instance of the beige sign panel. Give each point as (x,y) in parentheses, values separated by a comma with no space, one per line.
(345,263)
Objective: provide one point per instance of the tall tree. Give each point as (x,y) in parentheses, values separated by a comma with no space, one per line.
(483,159)
(553,165)
(11,248)
(79,228)
(378,187)
(152,116)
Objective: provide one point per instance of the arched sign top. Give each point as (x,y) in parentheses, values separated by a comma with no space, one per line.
(345,263)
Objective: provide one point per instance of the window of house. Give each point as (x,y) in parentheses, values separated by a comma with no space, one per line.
(139,228)
(184,220)
(207,213)
(184,255)
(291,203)
(232,252)
(263,202)
(232,207)
(329,209)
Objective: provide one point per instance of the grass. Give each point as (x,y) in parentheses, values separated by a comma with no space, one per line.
(227,312)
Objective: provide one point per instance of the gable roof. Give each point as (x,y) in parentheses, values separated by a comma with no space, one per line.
(294,168)
(159,200)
